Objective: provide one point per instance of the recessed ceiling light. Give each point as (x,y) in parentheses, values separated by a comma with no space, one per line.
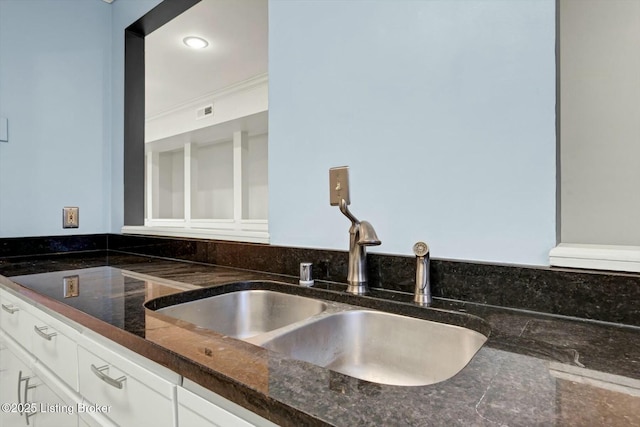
(195,42)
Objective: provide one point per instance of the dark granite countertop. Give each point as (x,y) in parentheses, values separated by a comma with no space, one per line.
(535,369)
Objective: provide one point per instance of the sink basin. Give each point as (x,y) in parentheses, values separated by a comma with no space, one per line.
(381,347)
(367,344)
(244,314)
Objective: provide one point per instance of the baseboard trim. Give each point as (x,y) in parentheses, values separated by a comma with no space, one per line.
(598,257)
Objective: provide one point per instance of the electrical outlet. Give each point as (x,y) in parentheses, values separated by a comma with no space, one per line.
(70,217)
(71,286)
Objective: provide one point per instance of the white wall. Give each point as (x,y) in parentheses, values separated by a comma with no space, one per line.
(61,87)
(600,116)
(55,68)
(444,110)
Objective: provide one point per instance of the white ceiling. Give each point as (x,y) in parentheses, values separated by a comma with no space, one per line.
(237,32)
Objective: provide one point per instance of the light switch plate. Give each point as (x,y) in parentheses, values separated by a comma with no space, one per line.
(4,129)
(339,185)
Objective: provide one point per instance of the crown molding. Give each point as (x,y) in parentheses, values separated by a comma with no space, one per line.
(245,85)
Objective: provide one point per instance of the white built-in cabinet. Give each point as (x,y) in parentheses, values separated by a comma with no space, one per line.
(38,369)
(212,188)
(74,378)
(31,396)
(206,175)
(133,395)
(200,407)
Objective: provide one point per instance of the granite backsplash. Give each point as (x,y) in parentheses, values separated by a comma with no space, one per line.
(589,294)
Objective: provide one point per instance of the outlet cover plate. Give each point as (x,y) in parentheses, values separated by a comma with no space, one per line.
(70,217)
(71,286)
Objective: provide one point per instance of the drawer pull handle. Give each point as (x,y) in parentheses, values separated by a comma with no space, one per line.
(41,331)
(10,308)
(20,379)
(29,415)
(114,382)
(27,387)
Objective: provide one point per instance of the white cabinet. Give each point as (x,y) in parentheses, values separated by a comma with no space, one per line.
(48,339)
(15,319)
(209,182)
(29,394)
(56,404)
(203,408)
(126,392)
(100,385)
(75,377)
(42,364)
(11,384)
(54,345)
(195,411)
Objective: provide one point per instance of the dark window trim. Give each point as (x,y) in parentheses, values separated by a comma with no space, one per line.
(134,103)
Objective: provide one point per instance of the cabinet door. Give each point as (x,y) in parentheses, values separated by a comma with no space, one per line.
(198,406)
(10,368)
(54,345)
(52,411)
(36,404)
(127,394)
(193,410)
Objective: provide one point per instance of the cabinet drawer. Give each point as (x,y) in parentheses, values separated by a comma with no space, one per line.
(51,345)
(193,410)
(47,338)
(198,406)
(128,394)
(15,320)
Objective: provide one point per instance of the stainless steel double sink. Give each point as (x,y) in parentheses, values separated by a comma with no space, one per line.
(371,345)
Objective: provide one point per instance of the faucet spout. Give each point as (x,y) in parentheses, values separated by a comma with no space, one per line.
(361,235)
(368,236)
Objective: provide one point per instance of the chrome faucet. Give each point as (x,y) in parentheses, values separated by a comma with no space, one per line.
(361,235)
